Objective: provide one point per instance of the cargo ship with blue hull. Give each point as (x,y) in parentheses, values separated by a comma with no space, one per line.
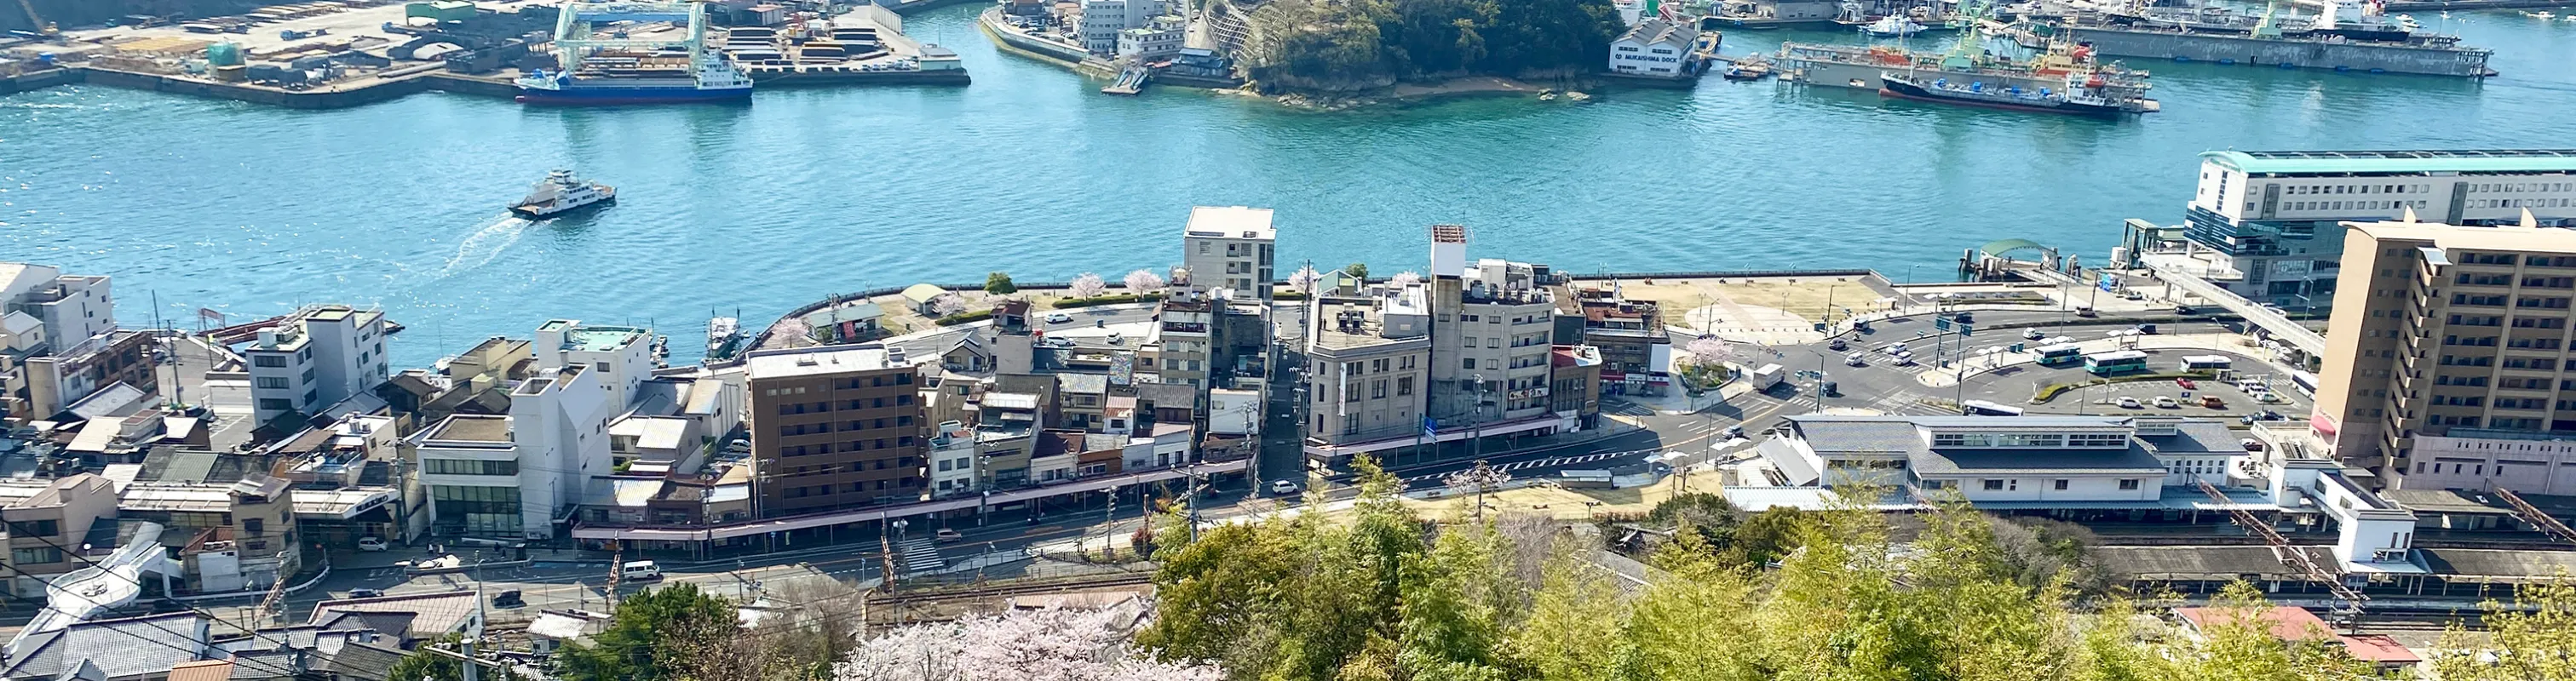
(634,52)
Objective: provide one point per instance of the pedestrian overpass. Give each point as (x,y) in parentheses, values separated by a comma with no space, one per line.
(107,585)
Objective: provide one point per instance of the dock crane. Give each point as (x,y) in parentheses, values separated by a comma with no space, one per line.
(44,28)
(1971,45)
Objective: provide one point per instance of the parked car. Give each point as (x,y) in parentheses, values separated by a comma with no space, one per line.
(509,599)
(945,535)
(1059,318)
(1058,342)
(2212,402)
(1284,487)
(1116,338)
(371,544)
(2186,384)
(366,593)
(2130,403)
(2167,402)
(2147,329)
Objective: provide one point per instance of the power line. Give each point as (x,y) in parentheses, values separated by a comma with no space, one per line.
(192,653)
(139,584)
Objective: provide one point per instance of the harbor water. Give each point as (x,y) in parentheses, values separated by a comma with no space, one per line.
(253,210)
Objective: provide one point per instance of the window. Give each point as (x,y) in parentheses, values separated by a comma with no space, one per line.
(2061,485)
(272,382)
(271,361)
(1404,385)
(38,555)
(2129,483)
(276,404)
(469,467)
(1469,363)
(254,525)
(1378,390)
(1994,484)
(34,528)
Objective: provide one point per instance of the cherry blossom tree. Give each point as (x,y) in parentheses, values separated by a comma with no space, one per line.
(1144,281)
(1708,350)
(1087,285)
(1078,645)
(947,304)
(1304,280)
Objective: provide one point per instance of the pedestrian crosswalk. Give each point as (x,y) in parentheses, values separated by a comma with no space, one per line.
(918,555)
(1549,462)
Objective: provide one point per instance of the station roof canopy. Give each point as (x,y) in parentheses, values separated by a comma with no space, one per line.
(2395,162)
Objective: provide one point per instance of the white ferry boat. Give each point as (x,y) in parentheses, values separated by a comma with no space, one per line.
(561,193)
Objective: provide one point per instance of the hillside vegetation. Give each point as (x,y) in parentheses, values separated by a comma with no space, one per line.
(1366,44)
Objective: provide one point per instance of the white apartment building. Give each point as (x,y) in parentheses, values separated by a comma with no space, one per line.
(1160,37)
(2268,221)
(512,476)
(72,307)
(621,355)
(315,358)
(1654,47)
(1103,19)
(1230,247)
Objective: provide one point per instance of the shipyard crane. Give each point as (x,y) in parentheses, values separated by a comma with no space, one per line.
(576,38)
(2269,26)
(1971,46)
(37,21)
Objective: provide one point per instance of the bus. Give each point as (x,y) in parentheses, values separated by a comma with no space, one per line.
(2304,382)
(1985,408)
(2206,362)
(2121,362)
(2062,354)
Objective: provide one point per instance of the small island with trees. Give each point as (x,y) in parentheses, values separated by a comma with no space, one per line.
(1347,48)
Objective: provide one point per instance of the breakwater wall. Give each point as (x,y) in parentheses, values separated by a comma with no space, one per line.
(2345,56)
(39,80)
(990,22)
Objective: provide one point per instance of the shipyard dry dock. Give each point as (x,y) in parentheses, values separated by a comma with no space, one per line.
(2417,57)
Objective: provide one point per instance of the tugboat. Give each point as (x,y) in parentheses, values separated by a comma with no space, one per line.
(562,193)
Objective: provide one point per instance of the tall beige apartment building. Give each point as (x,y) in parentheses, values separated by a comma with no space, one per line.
(2447,361)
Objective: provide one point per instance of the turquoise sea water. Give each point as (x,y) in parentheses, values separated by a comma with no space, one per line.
(253,210)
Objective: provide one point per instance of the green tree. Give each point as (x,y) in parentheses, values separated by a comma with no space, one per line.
(1357,270)
(2534,639)
(1698,623)
(1708,515)
(651,635)
(2238,644)
(424,665)
(999,283)
(1458,601)
(1573,630)
(1767,536)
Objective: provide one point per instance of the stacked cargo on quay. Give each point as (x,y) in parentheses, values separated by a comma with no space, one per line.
(2340,38)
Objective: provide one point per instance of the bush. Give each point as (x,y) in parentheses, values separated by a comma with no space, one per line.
(964,317)
(1288,295)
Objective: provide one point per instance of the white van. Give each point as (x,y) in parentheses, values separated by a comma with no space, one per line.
(639,571)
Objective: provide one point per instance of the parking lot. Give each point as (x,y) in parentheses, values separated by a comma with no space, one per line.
(2015,385)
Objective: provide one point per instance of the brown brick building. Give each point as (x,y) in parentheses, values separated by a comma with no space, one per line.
(834,427)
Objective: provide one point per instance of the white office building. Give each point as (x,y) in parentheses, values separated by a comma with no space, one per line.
(2266,225)
(621,355)
(315,358)
(513,476)
(1230,247)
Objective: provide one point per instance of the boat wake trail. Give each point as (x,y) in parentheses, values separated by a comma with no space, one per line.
(486,244)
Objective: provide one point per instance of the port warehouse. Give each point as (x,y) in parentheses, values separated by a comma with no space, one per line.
(2354,56)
